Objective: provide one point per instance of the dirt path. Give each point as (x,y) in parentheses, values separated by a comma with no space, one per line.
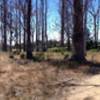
(87,92)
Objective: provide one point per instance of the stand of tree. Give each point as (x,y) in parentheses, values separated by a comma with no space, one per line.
(24,26)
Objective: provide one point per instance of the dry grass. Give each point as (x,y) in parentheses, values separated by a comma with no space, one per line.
(28,80)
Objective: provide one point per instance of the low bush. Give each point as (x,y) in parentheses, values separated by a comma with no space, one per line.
(58,49)
(22,55)
(40,56)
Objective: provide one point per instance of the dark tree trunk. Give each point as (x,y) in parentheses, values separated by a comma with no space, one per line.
(37,27)
(46,36)
(78,35)
(29,47)
(95,32)
(62,21)
(24,37)
(43,25)
(4,25)
(11,32)
(20,37)
(69,44)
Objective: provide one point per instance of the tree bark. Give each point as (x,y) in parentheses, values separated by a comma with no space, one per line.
(78,35)
(29,47)
(62,21)
(4,25)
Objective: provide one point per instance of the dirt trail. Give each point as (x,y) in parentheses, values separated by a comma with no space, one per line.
(87,92)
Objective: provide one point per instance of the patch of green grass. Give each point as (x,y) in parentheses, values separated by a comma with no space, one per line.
(57,49)
(94,50)
(39,56)
(62,50)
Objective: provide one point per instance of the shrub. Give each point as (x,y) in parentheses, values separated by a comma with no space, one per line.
(22,55)
(58,49)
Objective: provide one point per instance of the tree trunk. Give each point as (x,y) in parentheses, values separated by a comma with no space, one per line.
(78,35)
(62,21)
(29,47)
(24,37)
(95,31)
(37,27)
(11,33)
(43,24)
(46,36)
(68,44)
(4,25)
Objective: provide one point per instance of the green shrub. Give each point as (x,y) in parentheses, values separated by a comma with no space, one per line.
(58,49)
(94,50)
(40,56)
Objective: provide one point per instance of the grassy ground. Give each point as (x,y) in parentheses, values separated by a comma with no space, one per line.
(46,79)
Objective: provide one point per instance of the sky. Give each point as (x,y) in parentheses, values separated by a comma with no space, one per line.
(53,17)
(94,5)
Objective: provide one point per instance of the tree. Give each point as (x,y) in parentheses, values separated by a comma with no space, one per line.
(66,22)
(95,12)
(78,35)
(62,21)
(37,27)
(4,25)
(24,17)
(29,47)
(45,30)
(44,23)
(10,26)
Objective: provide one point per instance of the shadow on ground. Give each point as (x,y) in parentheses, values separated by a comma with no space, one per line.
(89,67)
(94,68)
